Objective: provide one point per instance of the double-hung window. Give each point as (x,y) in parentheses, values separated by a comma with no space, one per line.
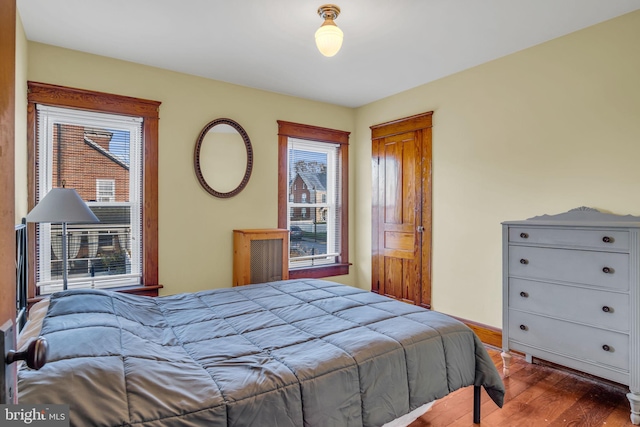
(312,200)
(98,155)
(105,190)
(105,147)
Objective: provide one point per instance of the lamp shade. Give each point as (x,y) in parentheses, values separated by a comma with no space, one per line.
(329,38)
(62,205)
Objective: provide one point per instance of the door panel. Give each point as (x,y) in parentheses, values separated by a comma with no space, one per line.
(392,182)
(399,244)
(394,269)
(399,188)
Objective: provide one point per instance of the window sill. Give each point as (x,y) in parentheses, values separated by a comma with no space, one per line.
(319,272)
(150,291)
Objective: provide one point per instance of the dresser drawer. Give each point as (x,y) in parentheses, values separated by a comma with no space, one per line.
(588,239)
(570,339)
(602,308)
(586,267)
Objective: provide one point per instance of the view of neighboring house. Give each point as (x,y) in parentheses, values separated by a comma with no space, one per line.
(308,185)
(82,159)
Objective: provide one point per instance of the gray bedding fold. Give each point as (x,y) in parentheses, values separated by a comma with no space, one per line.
(291,353)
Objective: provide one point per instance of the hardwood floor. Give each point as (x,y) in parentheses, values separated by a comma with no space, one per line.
(536,395)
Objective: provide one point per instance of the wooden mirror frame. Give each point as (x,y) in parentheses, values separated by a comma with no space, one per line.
(248,167)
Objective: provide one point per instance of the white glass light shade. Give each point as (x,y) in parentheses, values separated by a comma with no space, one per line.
(329,39)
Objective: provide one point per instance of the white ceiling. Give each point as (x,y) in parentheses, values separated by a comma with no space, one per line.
(389,45)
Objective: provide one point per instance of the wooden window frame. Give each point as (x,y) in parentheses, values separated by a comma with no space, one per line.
(61,96)
(288,130)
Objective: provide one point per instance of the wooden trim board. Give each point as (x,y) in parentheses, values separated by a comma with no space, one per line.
(487,334)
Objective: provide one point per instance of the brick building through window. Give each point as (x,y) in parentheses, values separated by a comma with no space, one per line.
(82,157)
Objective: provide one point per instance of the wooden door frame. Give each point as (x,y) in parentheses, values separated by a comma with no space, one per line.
(8,16)
(7,159)
(417,123)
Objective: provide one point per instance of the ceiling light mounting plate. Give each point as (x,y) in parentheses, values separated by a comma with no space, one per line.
(329,11)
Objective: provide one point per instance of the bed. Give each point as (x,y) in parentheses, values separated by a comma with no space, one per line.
(289,353)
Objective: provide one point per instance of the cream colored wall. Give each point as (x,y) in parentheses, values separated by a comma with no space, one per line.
(21,122)
(544,130)
(195,229)
(540,131)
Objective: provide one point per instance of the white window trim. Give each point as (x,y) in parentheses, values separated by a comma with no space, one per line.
(50,115)
(330,150)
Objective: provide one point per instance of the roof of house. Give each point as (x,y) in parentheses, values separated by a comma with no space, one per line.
(106,153)
(315,181)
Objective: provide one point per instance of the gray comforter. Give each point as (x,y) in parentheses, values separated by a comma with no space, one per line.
(291,353)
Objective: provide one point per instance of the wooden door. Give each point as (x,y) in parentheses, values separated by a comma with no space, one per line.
(401,211)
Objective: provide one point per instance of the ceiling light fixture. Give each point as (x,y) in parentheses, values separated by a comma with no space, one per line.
(329,36)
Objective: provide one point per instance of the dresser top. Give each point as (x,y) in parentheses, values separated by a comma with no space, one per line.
(582,216)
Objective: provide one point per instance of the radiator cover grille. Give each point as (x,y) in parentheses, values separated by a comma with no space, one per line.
(266,260)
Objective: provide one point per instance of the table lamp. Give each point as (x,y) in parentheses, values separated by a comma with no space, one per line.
(62,206)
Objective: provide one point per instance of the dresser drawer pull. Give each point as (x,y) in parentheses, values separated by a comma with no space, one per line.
(607,270)
(525,295)
(607,239)
(524,327)
(607,309)
(524,261)
(524,235)
(606,348)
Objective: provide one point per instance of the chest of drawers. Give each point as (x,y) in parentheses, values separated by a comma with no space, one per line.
(571,294)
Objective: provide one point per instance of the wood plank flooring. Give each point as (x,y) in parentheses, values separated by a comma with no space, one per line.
(536,395)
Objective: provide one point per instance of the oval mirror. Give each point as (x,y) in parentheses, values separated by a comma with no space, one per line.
(223,158)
